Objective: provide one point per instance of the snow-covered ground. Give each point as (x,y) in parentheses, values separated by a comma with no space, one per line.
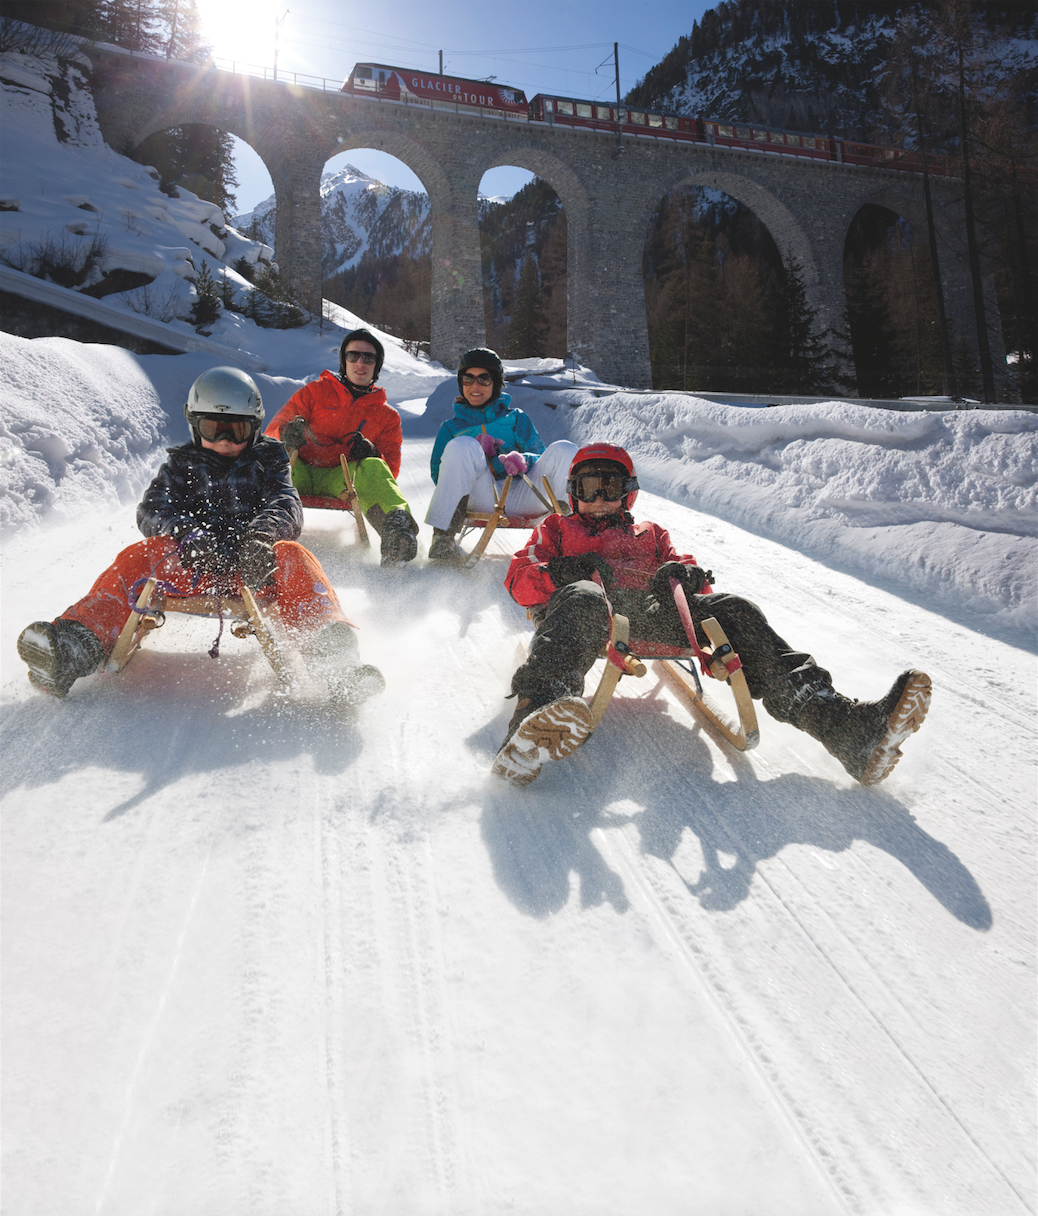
(259,957)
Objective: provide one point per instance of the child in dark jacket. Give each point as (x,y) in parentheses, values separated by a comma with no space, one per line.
(483,443)
(574,571)
(221,512)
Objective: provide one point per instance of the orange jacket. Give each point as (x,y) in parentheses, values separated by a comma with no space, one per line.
(334,416)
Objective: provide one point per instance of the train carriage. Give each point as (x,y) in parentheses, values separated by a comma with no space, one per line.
(426,88)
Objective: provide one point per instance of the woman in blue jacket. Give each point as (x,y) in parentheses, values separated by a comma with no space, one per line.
(483,443)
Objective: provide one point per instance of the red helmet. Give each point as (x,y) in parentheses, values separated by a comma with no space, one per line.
(604,453)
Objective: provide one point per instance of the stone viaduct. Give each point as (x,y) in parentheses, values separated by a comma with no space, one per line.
(608,196)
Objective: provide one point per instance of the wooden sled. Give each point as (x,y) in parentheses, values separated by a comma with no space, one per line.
(245,614)
(490,521)
(347,500)
(677,667)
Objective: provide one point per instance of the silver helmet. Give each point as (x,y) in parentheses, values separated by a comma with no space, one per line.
(224,394)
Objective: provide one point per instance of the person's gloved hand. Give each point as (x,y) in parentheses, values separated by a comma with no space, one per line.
(256,561)
(293,434)
(489,444)
(199,550)
(514,463)
(564,570)
(692,579)
(361,448)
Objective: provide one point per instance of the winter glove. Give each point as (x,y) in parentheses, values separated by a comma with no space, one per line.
(692,579)
(489,444)
(256,561)
(293,434)
(564,570)
(361,448)
(514,463)
(199,550)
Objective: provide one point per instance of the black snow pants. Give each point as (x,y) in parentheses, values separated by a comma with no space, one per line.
(574,625)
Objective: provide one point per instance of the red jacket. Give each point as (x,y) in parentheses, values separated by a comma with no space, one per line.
(333,415)
(635,554)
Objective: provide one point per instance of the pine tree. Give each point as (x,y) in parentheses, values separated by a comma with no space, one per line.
(526,332)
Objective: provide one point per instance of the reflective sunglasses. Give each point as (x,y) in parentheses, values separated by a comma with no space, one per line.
(360,356)
(586,487)
(483,379)
(214,426)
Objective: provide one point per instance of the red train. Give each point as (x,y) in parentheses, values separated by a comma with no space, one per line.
(426,88)
(418,88)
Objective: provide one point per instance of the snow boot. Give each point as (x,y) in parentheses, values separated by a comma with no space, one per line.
(538,733)
(866,736)
(399,533)
(58,653)
(334,657)
(444,547)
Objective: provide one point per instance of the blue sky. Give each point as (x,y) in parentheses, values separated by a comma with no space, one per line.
(538,47)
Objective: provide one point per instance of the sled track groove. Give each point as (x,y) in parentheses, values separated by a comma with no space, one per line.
(826,1148)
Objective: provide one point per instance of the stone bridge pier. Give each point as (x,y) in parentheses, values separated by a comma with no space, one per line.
(608,195)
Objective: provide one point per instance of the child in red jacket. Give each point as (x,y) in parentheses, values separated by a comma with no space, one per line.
(554,575)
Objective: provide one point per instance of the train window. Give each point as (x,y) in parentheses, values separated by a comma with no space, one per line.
(655,120)
(638,117)
(672,122)
(549,105)
(603,112)
(776,138)
(565,107)
(760,136)
(362,74)
(725,130)
(742,132)
(583,110)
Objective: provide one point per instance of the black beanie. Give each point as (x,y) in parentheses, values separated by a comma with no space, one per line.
(361,335)
(482,356)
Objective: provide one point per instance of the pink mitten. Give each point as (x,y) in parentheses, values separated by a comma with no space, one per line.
(489,444)
(514,463)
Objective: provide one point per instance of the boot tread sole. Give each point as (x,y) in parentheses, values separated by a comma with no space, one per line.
(552,732)
(905,719)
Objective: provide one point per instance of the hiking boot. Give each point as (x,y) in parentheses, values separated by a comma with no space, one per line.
(58,653)
(866,736)
(538,733)
(399,538)
(444,548)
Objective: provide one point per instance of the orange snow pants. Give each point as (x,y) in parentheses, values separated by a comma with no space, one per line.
(300,588)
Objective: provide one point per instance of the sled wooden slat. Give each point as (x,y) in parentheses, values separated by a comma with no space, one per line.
(244,610)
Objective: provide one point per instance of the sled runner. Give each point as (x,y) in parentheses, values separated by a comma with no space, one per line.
(556,730)
(347,500)
(490,521)
(245,614)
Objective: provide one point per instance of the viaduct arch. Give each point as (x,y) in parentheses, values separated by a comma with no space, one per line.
(807,205)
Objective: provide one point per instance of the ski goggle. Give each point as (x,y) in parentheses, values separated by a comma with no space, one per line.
(586,487)
(484,379)
(359,356)
(214,427)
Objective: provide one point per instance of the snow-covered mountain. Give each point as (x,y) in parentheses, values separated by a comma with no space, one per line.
(358,215)
(819,67)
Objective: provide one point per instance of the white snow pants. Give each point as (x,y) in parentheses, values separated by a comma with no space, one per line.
(463,470)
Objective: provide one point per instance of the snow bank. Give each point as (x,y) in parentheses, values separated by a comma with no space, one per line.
(943,505)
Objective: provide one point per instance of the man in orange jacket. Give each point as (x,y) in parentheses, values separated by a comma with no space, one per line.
(346,415)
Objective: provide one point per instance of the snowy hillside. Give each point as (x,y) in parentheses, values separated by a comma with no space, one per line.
(358,215)
(263,957)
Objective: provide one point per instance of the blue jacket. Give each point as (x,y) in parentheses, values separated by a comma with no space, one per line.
(497,418)
(196,488)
